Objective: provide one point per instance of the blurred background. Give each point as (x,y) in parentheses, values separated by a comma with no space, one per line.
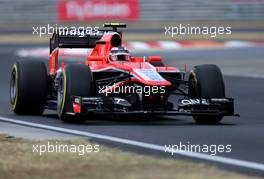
(146,18)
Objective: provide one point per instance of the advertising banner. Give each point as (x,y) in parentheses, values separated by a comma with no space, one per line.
(88,10)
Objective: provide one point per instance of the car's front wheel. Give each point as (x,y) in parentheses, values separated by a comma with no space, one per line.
(206,81)
(75,80)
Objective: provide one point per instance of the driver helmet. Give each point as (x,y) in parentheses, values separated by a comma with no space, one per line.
(119,54)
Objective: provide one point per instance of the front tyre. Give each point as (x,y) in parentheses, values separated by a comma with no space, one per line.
(75,80)
(28,87)
(206,81)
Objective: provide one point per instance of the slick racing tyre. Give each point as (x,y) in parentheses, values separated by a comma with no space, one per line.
(75,80)
(28,87)
(206,81)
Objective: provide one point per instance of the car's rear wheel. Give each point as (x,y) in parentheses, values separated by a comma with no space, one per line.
(28,87)
(75,80)
(206,81)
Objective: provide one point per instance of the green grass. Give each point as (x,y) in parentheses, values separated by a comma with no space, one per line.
(19,161)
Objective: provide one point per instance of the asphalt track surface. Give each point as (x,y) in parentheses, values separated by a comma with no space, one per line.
(245,134)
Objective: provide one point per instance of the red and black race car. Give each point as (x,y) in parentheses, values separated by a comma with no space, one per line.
(111,81)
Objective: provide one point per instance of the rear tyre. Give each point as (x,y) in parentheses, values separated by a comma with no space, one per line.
(75,80)
(28,87)
(206,81)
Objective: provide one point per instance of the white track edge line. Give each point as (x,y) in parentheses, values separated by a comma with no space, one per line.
(224,160)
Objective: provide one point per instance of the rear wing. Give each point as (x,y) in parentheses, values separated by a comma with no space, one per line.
(87,41)
(73,41)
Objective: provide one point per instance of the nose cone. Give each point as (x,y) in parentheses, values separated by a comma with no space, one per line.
(150,77)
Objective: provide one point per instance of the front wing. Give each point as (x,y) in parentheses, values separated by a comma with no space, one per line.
(120,106)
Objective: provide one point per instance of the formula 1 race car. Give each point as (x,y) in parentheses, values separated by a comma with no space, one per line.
(113,82)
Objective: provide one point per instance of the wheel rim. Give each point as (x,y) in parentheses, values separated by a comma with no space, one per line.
(13,87)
